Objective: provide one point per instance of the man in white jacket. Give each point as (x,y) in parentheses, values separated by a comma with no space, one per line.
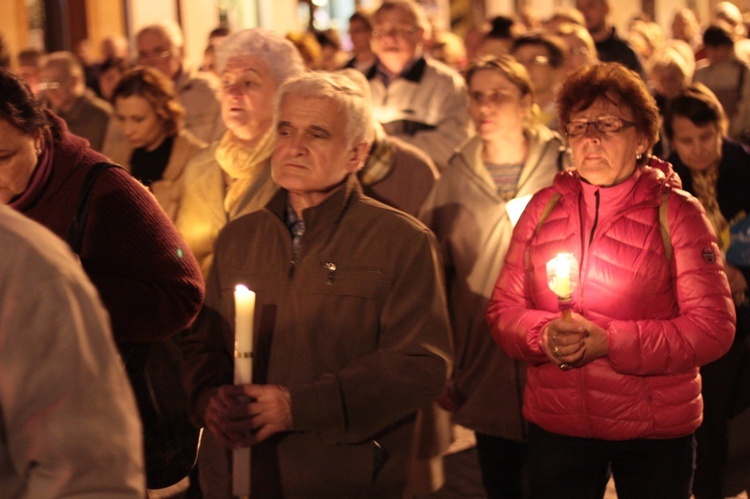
(69,426)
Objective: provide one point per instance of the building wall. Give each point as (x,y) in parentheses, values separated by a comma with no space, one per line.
(14,26)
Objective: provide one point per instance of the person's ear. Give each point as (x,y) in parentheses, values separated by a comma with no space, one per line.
(357,156)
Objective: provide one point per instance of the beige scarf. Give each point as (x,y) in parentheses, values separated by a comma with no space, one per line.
(242,165)
(704,184)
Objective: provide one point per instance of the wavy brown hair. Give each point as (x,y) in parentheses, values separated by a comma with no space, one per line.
(158,91)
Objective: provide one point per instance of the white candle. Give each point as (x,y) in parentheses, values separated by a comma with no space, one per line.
(244,305)
(559,274)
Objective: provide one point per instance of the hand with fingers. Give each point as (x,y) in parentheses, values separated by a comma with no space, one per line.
(573,343)
(244,415)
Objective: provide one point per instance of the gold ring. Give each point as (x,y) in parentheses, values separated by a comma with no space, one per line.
(556,351)
(564,366)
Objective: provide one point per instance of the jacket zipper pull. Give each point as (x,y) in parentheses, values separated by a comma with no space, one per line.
(331,272)
(291,269)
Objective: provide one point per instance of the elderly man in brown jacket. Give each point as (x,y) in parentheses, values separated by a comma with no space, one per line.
(352,333)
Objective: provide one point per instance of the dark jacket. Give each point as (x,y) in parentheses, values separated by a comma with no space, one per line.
(356,327)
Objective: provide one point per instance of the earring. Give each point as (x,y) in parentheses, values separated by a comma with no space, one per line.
(638,157)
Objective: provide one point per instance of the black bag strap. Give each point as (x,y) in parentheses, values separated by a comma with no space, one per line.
(74,234)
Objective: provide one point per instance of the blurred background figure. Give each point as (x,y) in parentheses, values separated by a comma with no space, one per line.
(415,98)
(85,54)
(729,14)
(449,49)
(360,33)
(70,424)
(160,46)
(685,27)
(670,72)
(4,54)
(473,210)
(115,46)
(498,40)
(64,88)
(581,50)
(215,37)
(609,45)
(307,46)
(332,56)
(716,170)
(29,63)
(726,76)
(156,147)
(528,18)
(110,73)
(564,15)
(645,37)
(543,56)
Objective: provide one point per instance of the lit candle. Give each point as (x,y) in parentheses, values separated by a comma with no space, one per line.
(562,272)
(244,305)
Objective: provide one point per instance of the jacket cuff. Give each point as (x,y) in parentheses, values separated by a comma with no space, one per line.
(318,406)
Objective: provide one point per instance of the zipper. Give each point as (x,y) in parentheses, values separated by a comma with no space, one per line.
(596,217)
(331,267)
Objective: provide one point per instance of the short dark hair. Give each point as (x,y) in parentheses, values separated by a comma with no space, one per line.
(19,108)
(362,15)
(718,35)
(698,104)
(613,82)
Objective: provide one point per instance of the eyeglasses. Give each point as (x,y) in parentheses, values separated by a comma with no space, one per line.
(394,32)
(159,54)
(537,60)
(49,85)
(602,125)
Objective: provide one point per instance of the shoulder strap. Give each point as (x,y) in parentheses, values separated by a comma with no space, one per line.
(664,224)
(547,210)
(74,234)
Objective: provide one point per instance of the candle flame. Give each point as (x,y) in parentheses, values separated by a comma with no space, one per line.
(562,274)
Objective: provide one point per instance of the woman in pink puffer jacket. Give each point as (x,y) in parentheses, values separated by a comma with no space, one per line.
(616,387)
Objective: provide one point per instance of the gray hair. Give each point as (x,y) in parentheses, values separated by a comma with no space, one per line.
(278,54)
(168,29)
(67,65)
(346,94)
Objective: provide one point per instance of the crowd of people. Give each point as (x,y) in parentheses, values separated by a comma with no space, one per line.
(400,211)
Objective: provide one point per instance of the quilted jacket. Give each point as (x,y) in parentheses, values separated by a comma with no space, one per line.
(664,318)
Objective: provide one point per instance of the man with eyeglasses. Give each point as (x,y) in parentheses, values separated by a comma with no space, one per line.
(63,85)
(160,46)
(419,100)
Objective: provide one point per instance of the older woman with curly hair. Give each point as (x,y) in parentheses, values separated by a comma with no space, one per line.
(613,384)
(156,147)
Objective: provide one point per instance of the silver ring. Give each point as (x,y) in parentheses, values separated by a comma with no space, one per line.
(564,366)
(556,351)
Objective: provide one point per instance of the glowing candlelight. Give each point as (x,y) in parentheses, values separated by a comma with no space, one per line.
(244,304)
(562,274)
